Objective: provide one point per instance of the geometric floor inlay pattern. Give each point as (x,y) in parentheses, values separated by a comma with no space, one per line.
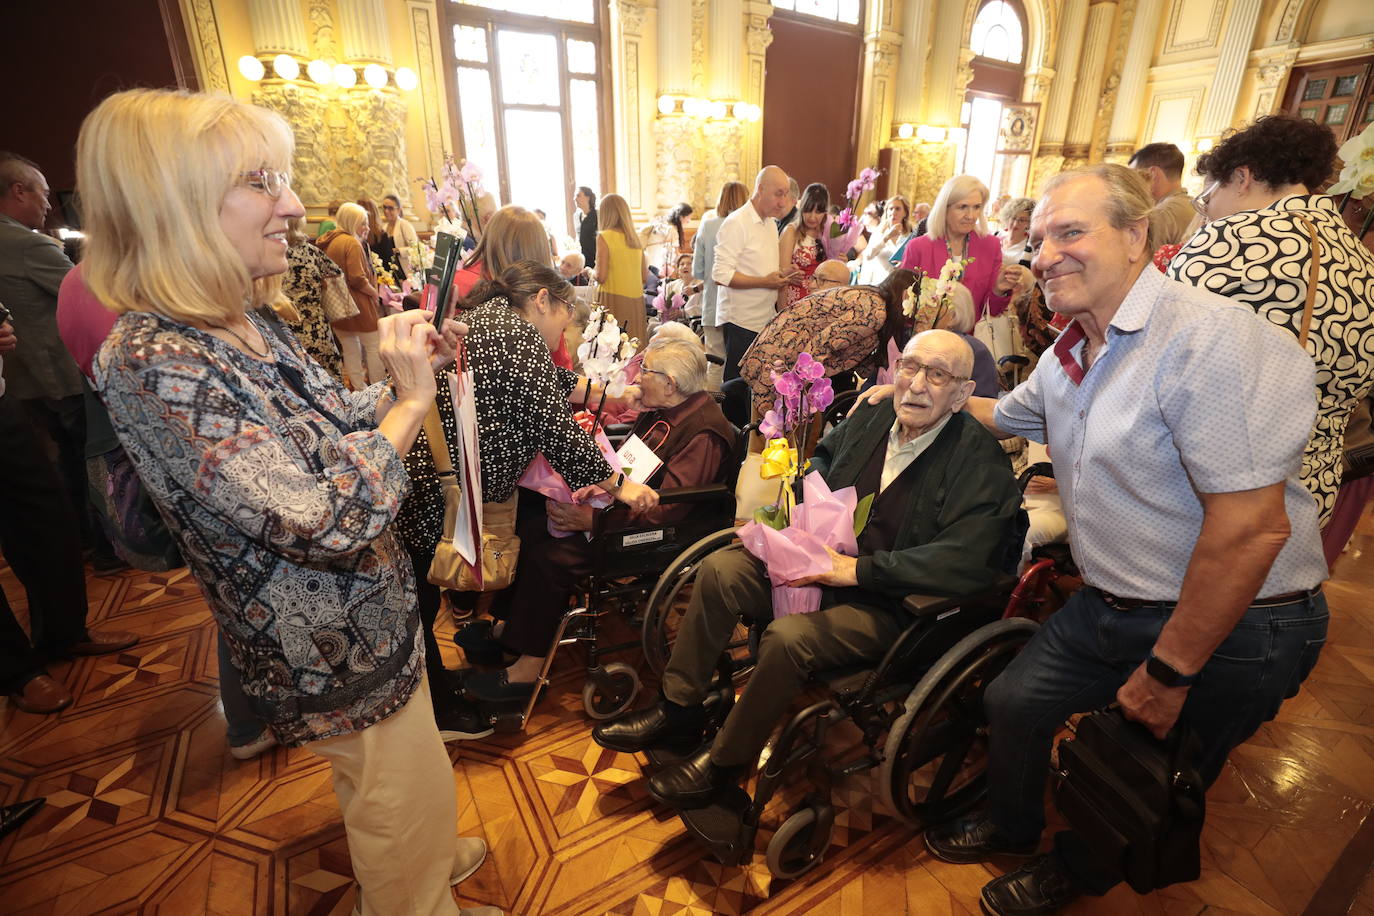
(147,812)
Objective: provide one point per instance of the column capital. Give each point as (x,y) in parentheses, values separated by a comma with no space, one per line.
(631,15)
(759,35)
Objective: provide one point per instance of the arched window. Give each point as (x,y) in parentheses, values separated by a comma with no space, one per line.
(997,127)
(997,33)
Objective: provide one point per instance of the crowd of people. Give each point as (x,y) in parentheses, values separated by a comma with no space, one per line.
(1190,366)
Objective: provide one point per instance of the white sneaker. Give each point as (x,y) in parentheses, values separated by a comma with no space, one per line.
(264,742)
(469,852)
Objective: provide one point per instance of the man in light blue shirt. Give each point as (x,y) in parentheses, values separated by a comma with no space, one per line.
(1176,420)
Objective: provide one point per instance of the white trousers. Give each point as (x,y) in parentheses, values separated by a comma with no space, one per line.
(358,347)
(395,787)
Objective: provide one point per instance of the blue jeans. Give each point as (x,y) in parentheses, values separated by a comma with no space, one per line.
(1086,651)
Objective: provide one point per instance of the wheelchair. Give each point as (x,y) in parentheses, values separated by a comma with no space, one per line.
(627,563)
(918,712)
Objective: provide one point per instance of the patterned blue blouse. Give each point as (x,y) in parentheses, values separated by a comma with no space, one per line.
(280,493)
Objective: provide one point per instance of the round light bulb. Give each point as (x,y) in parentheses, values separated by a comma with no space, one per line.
(755,112)
(691,106)
(285,67)
(345,76)
(320,72)
(406,78)
(905,131)
(251,68)
(374,75)
(667,104)
(719,110)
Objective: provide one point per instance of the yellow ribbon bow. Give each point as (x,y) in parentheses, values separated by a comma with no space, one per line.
(778,460)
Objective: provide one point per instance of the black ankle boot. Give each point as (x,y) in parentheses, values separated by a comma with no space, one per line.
(662,726)
(694,782)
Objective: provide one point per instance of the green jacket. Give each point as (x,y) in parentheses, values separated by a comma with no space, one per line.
(963,520)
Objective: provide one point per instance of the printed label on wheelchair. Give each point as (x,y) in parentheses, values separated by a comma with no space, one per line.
(646,537)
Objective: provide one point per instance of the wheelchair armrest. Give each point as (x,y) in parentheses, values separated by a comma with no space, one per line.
(925,605)
(701,494)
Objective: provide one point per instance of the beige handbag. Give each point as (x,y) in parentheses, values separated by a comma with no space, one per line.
(337,300)
(500,545)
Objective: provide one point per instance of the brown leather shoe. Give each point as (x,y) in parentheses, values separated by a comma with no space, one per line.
(101,643)
(42,695)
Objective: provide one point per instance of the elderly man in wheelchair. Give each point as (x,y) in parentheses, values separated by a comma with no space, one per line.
(684,428)
(943,518)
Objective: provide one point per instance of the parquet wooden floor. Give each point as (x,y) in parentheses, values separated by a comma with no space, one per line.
(147,812)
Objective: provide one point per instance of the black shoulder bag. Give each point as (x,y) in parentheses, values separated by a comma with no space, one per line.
(1136,800)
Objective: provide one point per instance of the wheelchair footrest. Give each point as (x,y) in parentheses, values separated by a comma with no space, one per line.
(721,827)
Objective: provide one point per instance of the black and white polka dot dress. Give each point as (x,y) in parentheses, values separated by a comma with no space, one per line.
(522,410)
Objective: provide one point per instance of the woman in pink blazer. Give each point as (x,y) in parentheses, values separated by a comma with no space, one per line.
(957,228)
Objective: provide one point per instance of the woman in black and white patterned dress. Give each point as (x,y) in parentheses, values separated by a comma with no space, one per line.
(1257,249)
(523,410)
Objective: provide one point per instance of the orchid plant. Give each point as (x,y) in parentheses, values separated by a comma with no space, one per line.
(670,303)
(804,393)
(865,182)
(605,352)
(460,188)
(1357,175)
(421,258)
(384,274)
(927,301)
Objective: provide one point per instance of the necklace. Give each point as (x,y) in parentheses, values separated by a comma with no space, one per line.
(246,345)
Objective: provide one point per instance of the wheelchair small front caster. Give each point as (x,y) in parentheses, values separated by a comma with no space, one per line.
(610,690)
(801,842)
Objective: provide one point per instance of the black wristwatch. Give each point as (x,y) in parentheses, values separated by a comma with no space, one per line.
(1167,674)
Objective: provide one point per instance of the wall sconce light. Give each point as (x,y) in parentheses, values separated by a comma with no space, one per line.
(928,134)
(1204,145)
(747,111)
(251,68)
(345,76)
(285,67)
(375,76)
(319,72)
(906,131)
(694,107)
(667,104)
(717,110)
(406,79)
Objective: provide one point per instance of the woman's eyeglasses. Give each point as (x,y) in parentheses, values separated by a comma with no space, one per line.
(267,181)
(1202,200)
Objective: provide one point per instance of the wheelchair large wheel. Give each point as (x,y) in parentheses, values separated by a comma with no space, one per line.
(935,758)
(610,691)
(668,600)
(801,842)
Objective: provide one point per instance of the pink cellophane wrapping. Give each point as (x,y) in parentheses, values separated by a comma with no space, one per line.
(823,519)
(542,478)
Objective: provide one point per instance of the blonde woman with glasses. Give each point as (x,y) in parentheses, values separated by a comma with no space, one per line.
(279,484)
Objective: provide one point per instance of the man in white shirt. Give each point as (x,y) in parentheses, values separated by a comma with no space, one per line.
(746,266)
